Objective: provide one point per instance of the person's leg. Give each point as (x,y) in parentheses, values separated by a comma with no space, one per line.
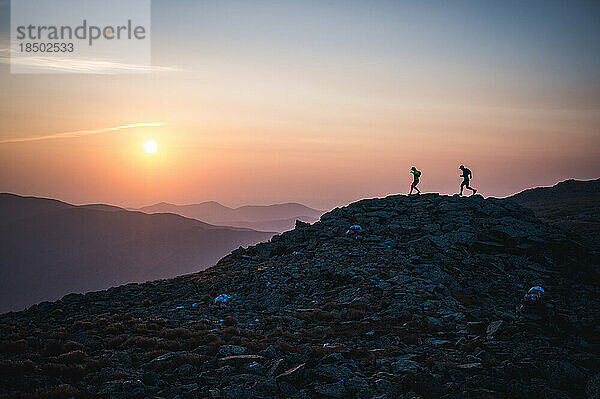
(466,183)
(412,186)
(462,186)
(417,188)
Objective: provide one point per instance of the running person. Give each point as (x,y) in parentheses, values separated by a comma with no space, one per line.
(416,175)
(467,175)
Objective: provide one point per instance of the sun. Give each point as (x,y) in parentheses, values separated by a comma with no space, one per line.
(150,146)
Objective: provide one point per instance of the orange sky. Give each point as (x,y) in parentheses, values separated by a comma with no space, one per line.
(313,113)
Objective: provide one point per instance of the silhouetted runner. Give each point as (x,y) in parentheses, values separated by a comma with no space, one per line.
(467,175)
(416,175)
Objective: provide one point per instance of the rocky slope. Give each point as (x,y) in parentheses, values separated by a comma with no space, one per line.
(572,203)
(390,298)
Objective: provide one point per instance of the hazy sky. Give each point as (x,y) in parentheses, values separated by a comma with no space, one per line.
(321,102)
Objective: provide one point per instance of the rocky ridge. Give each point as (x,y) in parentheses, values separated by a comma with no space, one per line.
(572,204)
(399,297)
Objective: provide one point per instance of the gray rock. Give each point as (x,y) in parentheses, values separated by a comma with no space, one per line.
(238,391)
(184,370)
(332,390)
(287,389)
(563,374)
(332,372)
(592,388)
(150,378)
(292,375)
(493,327)
(231,350)
(237,360)
(357,385)
(404,366)
(134,389)
(387,387)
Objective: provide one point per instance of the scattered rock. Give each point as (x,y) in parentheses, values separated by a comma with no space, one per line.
(562,374)
(592,388)
(237,360)
(292,375)
(332,390)
(404,366)
(493,327)
(134,389)
(421,300)
(332,372)
(231,350)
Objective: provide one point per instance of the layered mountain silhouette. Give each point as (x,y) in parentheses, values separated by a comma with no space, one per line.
(278,217)
(49,248)
(574,204)
(398,297)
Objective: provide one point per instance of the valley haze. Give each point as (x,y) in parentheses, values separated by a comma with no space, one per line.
(49,248)
(277,217)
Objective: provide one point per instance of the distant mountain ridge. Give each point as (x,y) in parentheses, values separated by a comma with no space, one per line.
(277,217)
(14,206)
(49,248)
(574,204)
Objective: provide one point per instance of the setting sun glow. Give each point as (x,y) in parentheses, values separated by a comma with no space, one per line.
(150,146)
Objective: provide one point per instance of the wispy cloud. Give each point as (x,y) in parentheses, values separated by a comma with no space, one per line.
(79,65)
(80,133)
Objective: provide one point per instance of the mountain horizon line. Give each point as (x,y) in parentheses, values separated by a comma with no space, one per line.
(112,245)
(215,202)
